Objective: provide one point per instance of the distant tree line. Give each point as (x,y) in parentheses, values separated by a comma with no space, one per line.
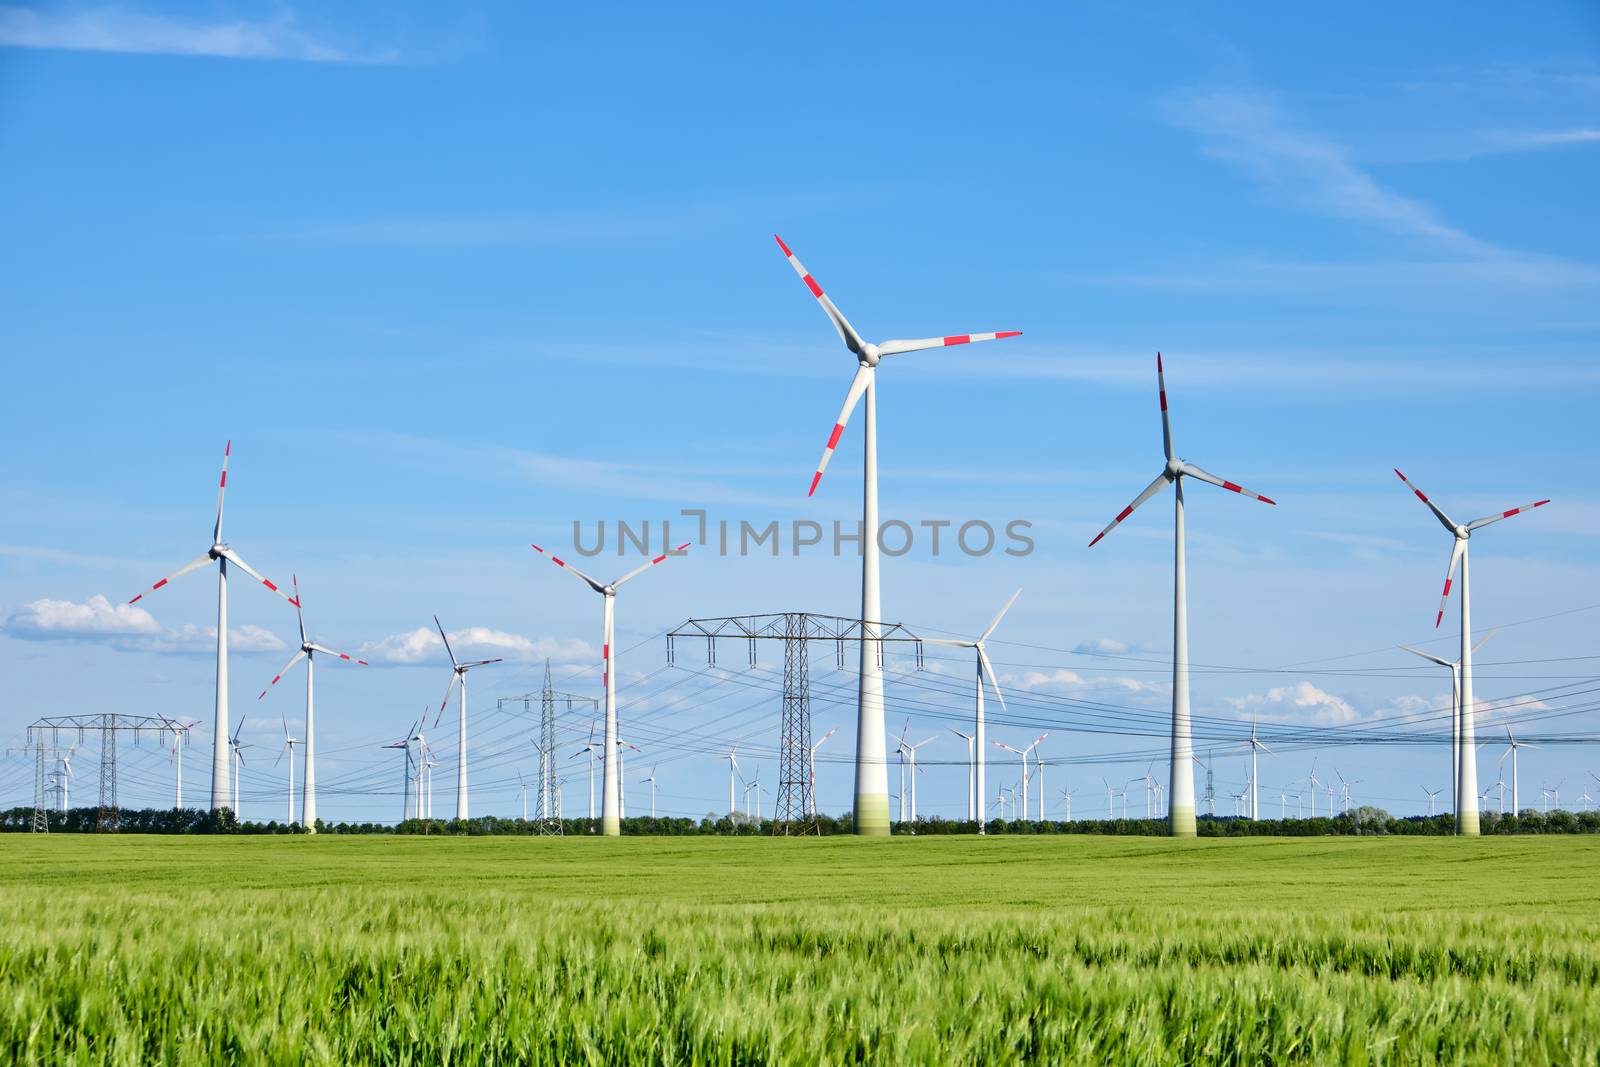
(1363,821)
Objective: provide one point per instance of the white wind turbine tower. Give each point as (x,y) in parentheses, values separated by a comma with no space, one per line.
(1344,785)
(1255,744)
(811,758)
(65,777)
(1149,783)
(911,751)
(1313,783)
(458,675)
(1467,777)
(1181,805)
(288,746)
(972,792)
(611,784)
(522,794)
(1511,750)
(592,749)
(1024,753)
(405,796)
(179,734)
(1454,667)
(872,776)
(309,650)
(985,669)
(1066,803)
(223,555)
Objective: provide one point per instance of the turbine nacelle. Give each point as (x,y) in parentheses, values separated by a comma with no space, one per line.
(869,354)
(217,550)
(1174,468)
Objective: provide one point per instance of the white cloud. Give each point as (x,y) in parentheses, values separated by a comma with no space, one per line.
(1299,703)
(120,29)
(123,626)
(1031,680)
(422,645)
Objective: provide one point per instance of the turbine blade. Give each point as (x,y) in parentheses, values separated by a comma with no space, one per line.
(1000,615)
(299,612)
(858,385)
(641,568)
(222,487)
(559,562)
(1166,422)
(296,658)
(1480,642)
(1478,524)
(481,663)
(446,641)
(1450,577)
(1161,482)
(847,332)
(331,652)
(994,682)
(1206,476)
(455,677)
(1438,512)
(193,564)
(1429,656)
(233,557)
(895,348)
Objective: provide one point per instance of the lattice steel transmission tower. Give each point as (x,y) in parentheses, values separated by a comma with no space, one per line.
(108,725)
(547,800)
(795,810)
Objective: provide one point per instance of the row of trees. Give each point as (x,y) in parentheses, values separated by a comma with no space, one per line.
(1358,822)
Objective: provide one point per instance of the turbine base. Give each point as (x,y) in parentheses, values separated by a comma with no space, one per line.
(872,815)
(1181,822)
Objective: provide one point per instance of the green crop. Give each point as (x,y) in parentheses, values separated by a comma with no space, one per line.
(742,951)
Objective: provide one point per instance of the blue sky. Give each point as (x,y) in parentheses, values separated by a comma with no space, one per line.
(453,279)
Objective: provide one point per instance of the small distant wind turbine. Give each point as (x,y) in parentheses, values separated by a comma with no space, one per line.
(733,772)
(611,781)
(238,760)
(1256,745)
(1066,803)
(1433,794)
(1313,783)
(1024,753)
(1511,750)
(1182,819)
(65,777)
(1467,778)
(1454,667)
(652,780)
(308,652)
(404,744)
(522,795)
(971,787)
(593,749)
(985,669)
(1345,784)
(458,676)
(288,747)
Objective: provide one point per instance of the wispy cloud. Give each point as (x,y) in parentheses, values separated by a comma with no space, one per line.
(125,627)
(1298,703)
(1546,138)
(114,28)
(1252,131)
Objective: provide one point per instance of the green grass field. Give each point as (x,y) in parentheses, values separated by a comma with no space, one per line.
(729,950)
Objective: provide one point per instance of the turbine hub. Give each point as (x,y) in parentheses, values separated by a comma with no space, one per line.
(869,354)
(1461,533)
(1174,467)
(216,550)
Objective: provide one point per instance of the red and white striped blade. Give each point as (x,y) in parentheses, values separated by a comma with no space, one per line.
(296,658)
(564,565)
(1166,422)
(641,568)
(1438,512)
(1190,470)
(339,655)
(193,564)
(222,487)
(233,557)
(895,348)
(1151,490)
(847,332)
(858,385)
(1450,577)
(1490,520)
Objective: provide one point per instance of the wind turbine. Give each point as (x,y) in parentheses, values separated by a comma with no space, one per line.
(652,781)
(288,746)
(1066,803)
(971,784)
(1454,667)
(1149,783)
(1433,794)
(64,778)
(591,748)
(223,555)
(611,784)
(458,674)
(1181,808)
(1255,744)
(522,794)
(176,758)
(238,760)
(308,652)
(1024,753)
(872,779)
(733,772)
(755,785)
(1511,750)
(985,669)
(811,759)
(1313,783)
(1345,784)
(1467,778)
(405,796)
(911,752)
